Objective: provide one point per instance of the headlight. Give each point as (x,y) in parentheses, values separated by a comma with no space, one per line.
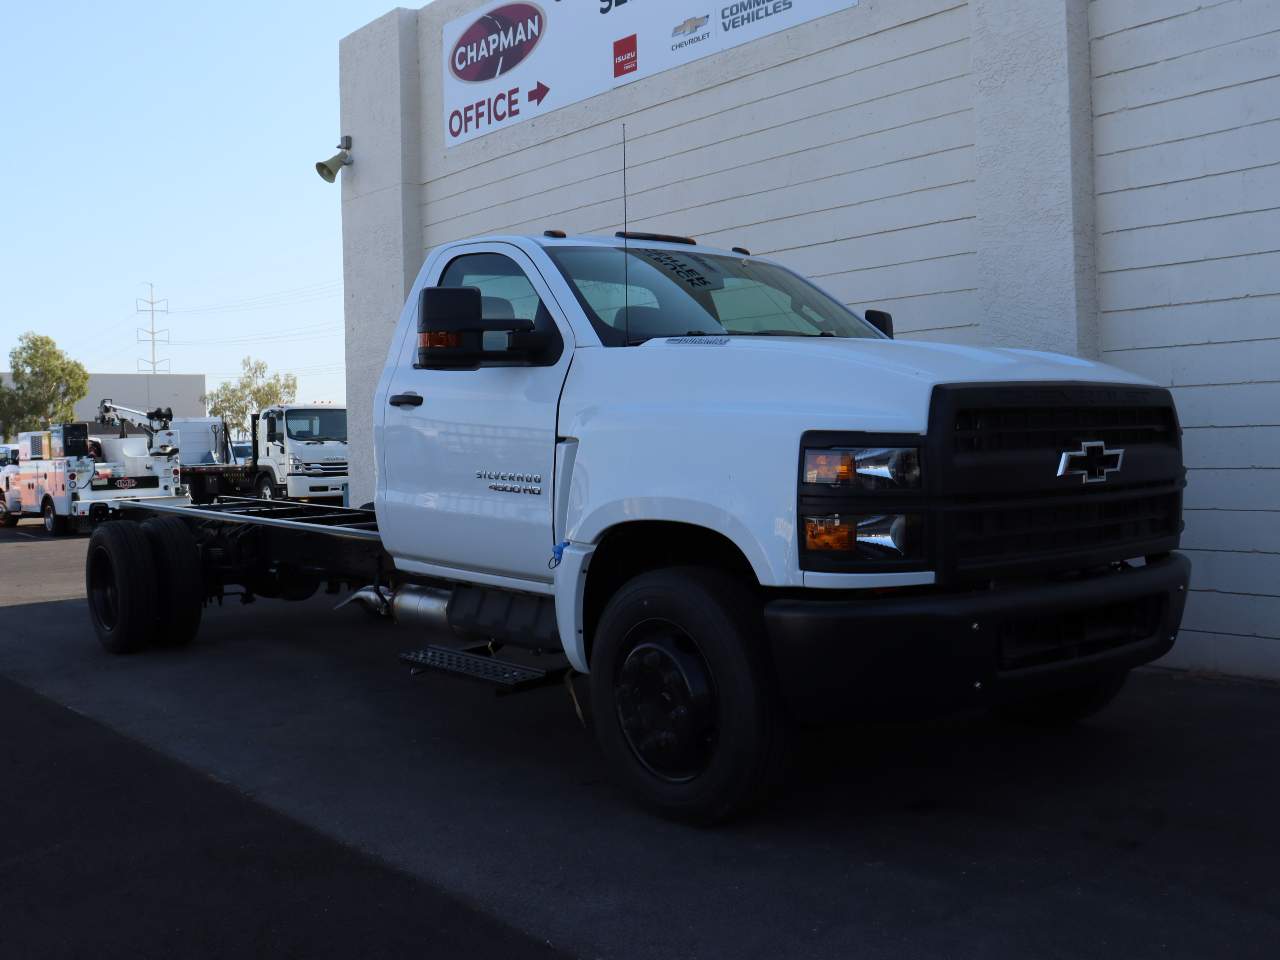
(295,462)
(892,536)
(864,468)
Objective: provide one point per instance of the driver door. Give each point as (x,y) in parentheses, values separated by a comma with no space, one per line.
(468,455)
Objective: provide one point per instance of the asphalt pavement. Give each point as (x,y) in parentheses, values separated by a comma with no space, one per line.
(1147,832)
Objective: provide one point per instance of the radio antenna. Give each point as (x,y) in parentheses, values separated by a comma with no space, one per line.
(626,256)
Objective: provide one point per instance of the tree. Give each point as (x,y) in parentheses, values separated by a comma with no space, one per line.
(47,384)
(235,400)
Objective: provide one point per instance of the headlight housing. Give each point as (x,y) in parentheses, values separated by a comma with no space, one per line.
(873,537)
(863,468)
(860,503)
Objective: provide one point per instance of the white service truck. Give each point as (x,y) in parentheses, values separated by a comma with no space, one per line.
(10,495)
(296,451)
(731,501)
(70,479)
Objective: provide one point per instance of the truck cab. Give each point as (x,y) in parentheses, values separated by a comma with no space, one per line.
(10,494)
(301,452)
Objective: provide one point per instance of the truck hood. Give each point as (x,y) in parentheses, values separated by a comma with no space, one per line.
(828,383)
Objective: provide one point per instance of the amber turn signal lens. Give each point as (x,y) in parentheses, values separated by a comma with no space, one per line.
(827,533)
(828,466)
(437,339)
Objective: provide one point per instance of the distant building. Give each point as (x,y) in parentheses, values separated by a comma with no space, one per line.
(184,392)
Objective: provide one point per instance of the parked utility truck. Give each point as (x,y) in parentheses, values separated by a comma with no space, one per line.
(731,501)
(296,451)
(71,480)
(10,493)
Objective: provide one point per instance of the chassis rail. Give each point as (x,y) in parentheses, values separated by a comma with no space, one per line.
(349,523)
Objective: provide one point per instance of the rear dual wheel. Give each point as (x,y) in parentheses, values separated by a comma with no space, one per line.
(683,697)
(144,584)
(54,525)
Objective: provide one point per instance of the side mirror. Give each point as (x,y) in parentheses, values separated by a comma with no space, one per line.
(451,329)
(881,320)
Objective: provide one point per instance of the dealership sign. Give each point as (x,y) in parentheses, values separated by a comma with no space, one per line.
(513,61)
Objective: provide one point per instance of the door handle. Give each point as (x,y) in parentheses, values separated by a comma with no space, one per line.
(405,400)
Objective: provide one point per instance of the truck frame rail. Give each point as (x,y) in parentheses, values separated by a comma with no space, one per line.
(350,523)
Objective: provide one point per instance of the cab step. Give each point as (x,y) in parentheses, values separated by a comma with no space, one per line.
(508,677)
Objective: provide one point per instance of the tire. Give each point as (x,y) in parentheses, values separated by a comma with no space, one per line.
(693,637)
(120,584)
(8,518)
(54,525)
(264,489)
(1062,708)
(179,580)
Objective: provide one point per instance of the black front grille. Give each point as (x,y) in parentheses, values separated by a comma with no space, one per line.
(987,533)
(1037,641)
(994,429)
(1007,509)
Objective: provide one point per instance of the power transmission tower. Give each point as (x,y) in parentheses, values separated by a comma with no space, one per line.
(151,306)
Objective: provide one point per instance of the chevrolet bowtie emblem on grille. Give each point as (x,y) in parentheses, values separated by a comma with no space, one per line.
(1093,462)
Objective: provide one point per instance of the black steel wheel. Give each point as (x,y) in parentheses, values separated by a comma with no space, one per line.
(683,696)
(666,703)
(180,597)
(7,517)
(120,585)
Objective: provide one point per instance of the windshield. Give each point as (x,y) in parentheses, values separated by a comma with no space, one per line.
(633,296)
(316,425)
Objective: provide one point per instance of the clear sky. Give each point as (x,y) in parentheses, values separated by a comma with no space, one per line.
(175,143)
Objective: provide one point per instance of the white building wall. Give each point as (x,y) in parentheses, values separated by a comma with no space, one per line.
(1186,101)
(843,147)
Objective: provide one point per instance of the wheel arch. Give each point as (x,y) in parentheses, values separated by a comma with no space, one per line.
(628,549)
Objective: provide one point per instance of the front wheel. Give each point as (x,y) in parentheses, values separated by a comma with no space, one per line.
(683,697)
(1061,708)
(54,525)
(7,517)
(265,489)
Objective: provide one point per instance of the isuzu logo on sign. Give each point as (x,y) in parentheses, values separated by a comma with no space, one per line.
(497,43)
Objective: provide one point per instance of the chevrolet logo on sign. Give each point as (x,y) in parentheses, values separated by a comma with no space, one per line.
(1092,463)
(692,25)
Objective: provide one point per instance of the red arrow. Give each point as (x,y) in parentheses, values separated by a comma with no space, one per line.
(538,92)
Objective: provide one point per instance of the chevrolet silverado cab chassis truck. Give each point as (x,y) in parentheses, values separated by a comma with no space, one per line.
(731,501)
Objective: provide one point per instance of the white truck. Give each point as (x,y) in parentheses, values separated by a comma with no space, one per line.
(731,501)
(296,451)
(10,494)
(70,479)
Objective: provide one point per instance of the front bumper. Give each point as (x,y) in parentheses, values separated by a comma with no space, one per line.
(304,487)
(901,654)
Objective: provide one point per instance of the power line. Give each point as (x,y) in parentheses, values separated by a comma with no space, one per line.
(279,298)
(150,305)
